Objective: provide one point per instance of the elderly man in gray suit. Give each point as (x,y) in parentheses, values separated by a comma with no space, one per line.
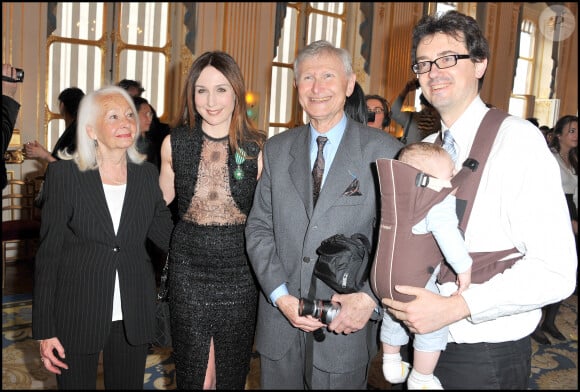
(286,225)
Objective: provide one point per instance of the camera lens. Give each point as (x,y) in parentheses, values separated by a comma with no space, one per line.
(325,311)
(307,308)
(371,116)
(329,311)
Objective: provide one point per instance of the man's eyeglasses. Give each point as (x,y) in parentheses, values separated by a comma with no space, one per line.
(376,110)
(442,62)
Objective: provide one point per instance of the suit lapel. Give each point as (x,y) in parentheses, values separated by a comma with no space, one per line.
(299,168)
(132,192)
(343,171)
(95,195)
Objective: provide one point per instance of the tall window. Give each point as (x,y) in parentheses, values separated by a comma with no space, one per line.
(304,23)
(524,71)
(83,53)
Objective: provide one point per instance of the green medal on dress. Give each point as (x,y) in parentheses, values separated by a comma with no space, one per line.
(240,158)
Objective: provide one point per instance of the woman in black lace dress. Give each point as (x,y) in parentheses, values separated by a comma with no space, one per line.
(211,162)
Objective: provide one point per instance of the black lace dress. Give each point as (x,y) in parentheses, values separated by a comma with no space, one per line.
(213,294)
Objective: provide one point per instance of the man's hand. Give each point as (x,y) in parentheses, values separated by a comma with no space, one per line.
(356,310)
(288,305)
(428,312)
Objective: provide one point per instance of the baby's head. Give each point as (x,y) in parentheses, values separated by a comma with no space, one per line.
(430,158)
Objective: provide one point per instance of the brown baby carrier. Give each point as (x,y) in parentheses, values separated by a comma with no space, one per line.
(407,194)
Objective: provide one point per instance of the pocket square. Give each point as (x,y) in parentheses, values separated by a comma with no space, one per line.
(353,189)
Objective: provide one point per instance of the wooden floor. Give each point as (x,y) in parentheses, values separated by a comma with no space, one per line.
(19,277)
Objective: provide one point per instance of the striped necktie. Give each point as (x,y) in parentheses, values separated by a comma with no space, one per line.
(318,169)
(449,144)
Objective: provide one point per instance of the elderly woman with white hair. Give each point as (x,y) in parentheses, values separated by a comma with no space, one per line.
(94,286)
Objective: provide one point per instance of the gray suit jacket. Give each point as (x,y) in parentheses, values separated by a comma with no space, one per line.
(79,253)
(283,232)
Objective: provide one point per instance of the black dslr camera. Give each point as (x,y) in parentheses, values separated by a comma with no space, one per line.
(18,79)
(371,116)
(323,310)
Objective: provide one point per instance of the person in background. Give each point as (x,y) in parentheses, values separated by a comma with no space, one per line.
(534,121)
(152,134)
(286,226)
(10,109)
(380,107)
(211,163)
(416,125)
(156,131)
(355,106)
(69,100)
(564,146)
(441,220)
(133,87)
(547,132)
(490,324)
(94,287)
(149,143)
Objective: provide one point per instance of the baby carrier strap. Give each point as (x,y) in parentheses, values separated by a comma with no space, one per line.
(485,264)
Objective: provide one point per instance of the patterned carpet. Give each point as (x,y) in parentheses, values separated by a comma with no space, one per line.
(554,367)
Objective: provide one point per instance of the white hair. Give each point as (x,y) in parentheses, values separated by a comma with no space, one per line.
(85,155)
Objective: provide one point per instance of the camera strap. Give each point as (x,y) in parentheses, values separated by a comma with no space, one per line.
(309,340)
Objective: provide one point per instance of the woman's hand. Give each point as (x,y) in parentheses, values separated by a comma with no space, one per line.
(47,355)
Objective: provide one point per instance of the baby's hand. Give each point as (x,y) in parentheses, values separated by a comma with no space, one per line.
(463,281)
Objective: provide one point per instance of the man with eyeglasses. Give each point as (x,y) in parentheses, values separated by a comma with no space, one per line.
(491,322)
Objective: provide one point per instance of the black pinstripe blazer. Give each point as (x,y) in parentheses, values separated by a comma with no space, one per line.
(78,255)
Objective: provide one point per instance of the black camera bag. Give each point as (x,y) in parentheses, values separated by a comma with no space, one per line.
(343,262)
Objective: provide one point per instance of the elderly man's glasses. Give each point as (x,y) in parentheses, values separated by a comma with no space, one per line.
(442,62)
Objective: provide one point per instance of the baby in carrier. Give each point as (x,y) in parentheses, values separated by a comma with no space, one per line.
(434,166)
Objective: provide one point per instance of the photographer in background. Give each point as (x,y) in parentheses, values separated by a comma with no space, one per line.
(379,107)
(10,109)
(416,125)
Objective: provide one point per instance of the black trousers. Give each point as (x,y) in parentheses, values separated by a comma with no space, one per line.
(123,365)
(498,366)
